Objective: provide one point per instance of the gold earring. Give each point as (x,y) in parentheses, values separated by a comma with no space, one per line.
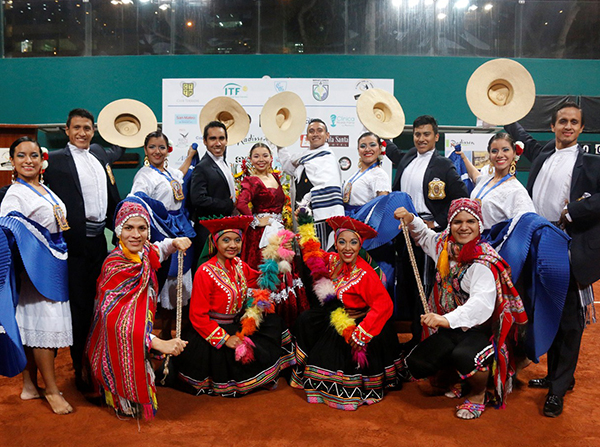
(166,164)
(42,177)
(513,168)
(14,176)
(146,161)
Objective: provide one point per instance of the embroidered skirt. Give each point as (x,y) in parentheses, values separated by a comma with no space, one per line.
(204,369)
(325,368)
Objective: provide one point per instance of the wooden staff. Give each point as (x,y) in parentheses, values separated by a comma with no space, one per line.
(179,310)
(413,262)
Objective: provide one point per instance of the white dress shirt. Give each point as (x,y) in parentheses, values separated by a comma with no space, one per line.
(552,186)
(92,179)
(224,167)
(412,181)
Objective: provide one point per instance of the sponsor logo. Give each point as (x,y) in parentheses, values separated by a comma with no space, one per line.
(187,89)
(320,89)
(234,90)
(334,141)
(280,86)
(465,144)
(345,163)
(339,141)
(343,121)
(363,85)
(186,119)
(182,140)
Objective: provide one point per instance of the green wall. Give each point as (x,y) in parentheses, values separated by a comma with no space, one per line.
(43,90)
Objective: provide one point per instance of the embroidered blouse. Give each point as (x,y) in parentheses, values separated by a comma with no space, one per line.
(361,289)
(219,291)
(263,199)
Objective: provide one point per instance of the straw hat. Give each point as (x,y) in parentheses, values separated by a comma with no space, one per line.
(283,118)
(500,92)
(380,112)
(229,112)
(126,122)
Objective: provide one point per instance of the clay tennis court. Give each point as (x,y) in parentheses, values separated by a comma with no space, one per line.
(283,418)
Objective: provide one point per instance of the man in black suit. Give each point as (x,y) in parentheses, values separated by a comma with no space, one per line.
(432,182)
(212,188)
(563,183)
(82,177)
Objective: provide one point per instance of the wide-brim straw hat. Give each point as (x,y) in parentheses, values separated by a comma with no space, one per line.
(283,118)
(229,112)
(381,113)
(126,122)
(500,92)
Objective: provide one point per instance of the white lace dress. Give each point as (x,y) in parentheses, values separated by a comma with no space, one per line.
(43,323)
(506,201)
(157,186)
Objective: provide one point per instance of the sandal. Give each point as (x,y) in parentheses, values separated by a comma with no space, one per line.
(455,391)
(475,409)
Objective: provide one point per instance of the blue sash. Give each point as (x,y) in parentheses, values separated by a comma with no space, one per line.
(44,257)
(166,224)
(539,251)
(379,213)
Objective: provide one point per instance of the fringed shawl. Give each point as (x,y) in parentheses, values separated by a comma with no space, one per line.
(119,337)
(509,308)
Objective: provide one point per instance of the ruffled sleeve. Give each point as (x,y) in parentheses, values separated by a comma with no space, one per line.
(245,197)
(381,181)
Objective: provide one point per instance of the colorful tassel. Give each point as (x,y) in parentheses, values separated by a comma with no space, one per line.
(360,357)
(244,352)
(443,264)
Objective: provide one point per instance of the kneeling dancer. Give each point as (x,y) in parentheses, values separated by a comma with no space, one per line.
(473,307)
(235,344)
(347,352)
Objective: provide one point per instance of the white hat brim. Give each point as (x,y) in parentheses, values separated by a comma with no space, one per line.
(521,91)
(283,118)
(126,122)
(381,113)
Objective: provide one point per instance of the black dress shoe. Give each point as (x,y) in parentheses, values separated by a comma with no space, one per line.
(553,406)
(543,382)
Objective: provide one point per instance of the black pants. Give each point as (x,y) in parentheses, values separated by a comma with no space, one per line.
(83,274)
(448,348)
(564,352)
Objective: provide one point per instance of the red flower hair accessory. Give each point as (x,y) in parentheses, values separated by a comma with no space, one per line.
(519,148)
(45,159)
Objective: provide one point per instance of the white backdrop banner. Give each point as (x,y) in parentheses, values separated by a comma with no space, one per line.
(332,100)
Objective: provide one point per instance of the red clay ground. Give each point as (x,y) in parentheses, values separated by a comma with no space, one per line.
(283,417)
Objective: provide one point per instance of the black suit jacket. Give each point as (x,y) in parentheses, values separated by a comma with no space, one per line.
(61,176)
(585,213)
(209,190)
(439,167)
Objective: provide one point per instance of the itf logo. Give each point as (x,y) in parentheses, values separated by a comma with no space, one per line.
(235,90)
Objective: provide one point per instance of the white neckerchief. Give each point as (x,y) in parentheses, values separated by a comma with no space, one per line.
(552,186)
(92,179)
(412,180)
(224,167)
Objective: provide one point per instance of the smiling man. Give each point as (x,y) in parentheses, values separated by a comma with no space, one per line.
(318,177)
(432,182)
(563,183)
(82,177)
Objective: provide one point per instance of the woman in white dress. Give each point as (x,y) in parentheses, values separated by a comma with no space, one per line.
(500,194)
(164,184)
(370,180)
(44,324)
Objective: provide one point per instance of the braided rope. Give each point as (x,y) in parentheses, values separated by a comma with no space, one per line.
(413,262)
(179,311)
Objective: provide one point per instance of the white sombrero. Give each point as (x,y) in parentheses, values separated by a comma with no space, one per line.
(126,122)
(500,92)
(283,118)
(229,112)
(381,113)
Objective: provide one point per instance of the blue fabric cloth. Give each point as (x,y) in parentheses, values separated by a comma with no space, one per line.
(12,353)
(165,224)
(459,164)
(379,214)
(44,257)
(538,252)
